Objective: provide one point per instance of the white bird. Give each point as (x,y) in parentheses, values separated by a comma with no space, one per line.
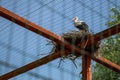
(81,25)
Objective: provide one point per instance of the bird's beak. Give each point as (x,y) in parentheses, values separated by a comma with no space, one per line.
(73,19)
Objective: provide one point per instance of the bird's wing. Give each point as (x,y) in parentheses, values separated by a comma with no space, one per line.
(77,23)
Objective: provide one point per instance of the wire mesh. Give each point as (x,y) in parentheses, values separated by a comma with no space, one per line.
(19,46)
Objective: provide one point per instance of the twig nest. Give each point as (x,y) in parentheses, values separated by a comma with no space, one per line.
(75,38)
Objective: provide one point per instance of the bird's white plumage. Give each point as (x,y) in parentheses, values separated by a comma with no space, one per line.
(77,22)
(81,25)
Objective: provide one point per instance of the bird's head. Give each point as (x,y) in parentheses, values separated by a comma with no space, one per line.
(75,19)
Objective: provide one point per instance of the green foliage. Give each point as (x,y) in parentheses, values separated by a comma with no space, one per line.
(110,49)
(115,18)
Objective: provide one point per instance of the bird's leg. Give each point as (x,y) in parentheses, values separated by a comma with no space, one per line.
(61,60)
(74,63)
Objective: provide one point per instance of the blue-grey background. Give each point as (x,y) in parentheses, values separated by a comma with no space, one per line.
(19,46)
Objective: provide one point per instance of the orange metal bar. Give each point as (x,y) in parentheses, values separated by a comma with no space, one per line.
(104,34)
(35,28)
(30,66)
(50,35)
(39,30)
(86,68)
(28,25)
(54,56)
(107,63)
(107,33)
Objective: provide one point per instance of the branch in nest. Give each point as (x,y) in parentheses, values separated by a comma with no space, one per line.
(75,38)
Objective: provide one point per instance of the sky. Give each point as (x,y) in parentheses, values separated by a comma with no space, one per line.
(19,46)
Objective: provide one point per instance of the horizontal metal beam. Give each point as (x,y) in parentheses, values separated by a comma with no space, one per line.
(35,28)
(107,63)
(50,35)
(107,33)
(28,25)
(30,66)
(104,34)
(52,57)
(30,73)
(39,30)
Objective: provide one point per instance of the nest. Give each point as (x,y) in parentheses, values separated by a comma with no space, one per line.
(75,38)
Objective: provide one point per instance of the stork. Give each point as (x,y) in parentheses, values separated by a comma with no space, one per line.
(81,25)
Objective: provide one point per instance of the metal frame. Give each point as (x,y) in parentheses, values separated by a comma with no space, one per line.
(50,35)
(86,68)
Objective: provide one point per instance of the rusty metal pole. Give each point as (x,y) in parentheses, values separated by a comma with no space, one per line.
(86,68)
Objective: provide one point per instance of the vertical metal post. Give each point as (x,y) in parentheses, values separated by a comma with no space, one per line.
(86,68)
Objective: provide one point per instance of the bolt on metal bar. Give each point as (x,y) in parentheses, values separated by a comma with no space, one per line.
(39,30)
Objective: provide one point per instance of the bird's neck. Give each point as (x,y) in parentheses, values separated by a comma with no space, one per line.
(76,21)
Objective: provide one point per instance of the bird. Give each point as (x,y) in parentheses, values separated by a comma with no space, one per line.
(81,25)
(83,29)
